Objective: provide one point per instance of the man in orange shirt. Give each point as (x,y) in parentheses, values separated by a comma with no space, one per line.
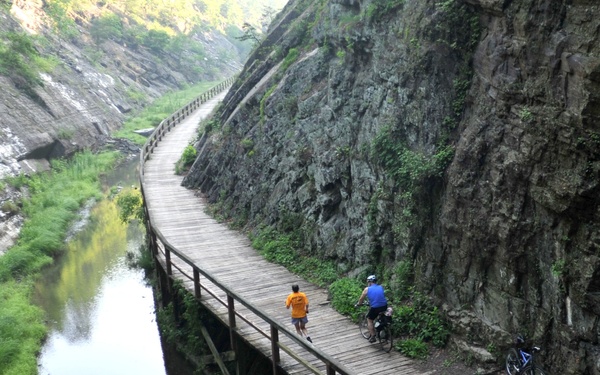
(299,303)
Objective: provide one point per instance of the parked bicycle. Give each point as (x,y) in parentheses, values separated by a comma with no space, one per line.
(383,328)
(520,360)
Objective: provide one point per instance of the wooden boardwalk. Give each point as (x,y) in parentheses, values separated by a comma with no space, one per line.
(179,215)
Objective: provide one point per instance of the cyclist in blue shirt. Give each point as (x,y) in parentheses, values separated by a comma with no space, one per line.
(377,302)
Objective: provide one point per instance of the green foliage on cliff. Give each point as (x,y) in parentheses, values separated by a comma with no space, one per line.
(377,9)
(20,59)
(411,171)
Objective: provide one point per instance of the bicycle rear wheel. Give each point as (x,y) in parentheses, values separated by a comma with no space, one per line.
(385,338)
(512,362)
(364,327)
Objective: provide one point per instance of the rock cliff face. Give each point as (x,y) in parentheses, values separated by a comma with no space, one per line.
(86,97)
(459,135)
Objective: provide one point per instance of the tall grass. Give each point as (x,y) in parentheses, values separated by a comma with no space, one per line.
(160,109)
(54,199)
(21,329)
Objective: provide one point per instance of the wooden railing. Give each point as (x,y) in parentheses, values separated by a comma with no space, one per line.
(161,247)
(170,122)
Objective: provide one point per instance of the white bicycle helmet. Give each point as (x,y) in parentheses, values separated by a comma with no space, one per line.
(372,278)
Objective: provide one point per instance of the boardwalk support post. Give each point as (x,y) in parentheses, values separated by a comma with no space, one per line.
(168,261)
(275,347)
(330,370)
(213,350)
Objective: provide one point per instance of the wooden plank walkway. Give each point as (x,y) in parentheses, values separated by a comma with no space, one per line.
(226,254)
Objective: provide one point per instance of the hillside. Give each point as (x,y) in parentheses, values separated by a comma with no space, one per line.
(72,71)
(459,137)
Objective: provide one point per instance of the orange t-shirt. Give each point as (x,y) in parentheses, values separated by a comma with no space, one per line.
(298,302)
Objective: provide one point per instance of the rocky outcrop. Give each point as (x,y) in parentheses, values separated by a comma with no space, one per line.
(461,136)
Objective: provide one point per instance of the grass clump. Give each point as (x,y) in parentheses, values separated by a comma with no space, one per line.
(187,159)
(413,348)
(21,329)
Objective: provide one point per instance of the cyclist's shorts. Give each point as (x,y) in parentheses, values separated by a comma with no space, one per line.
(374,311)
(298,320)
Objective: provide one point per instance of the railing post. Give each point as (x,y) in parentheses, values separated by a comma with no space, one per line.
(197,289)
(231,311)
(275,348)
(330,370)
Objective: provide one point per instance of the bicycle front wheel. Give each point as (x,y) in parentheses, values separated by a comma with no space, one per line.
(364,328)
(385,339)
(512,362)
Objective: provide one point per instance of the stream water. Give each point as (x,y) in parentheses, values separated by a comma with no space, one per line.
(100,309)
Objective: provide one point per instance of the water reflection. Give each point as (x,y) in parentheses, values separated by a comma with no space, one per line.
(75,278)
(100,311)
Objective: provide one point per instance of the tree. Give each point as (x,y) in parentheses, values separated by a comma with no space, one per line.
(250,33)
(156,40)
(106,27)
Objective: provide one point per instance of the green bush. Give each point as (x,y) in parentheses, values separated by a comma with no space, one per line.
(130,203)
(247,144)
(189,155)
(186,160)
(421,320)
(17,59)
(106,27)
(62,23)
(344,294)
(156,40)
(413,348)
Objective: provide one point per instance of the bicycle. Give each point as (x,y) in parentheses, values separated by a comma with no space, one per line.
(383,331)
(521,361)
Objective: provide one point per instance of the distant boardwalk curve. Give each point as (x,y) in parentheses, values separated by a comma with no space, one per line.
(232,280)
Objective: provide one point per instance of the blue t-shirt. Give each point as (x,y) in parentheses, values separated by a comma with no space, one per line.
(376,296)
